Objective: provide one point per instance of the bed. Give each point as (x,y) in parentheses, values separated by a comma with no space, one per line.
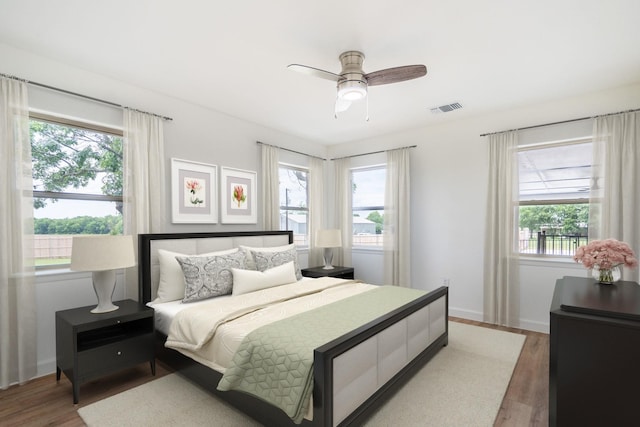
(352,374)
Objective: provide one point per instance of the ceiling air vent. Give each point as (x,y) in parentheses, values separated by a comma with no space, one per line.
(446,108)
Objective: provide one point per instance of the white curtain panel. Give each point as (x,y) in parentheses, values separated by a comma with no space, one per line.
(501,267)
(144,182)
(615,203)
(18,336)
(316,207)
(343,213)
(397,218)
(270,187)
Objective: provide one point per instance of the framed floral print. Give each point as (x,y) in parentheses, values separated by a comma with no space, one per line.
(193,192)
(238,196)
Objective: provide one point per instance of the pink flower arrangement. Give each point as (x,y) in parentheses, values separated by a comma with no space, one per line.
(606,254)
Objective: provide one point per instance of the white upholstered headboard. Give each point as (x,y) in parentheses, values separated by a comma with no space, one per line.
(193,244)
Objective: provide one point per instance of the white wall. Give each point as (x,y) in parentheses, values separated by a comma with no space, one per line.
(449,170)
(368,265)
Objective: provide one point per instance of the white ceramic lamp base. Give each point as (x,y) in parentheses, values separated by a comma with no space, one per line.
(104,283)
(328,257)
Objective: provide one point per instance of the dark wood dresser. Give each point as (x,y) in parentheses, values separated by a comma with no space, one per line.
(594,366)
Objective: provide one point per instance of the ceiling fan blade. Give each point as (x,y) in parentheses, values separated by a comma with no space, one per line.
(316,72)
(395,75)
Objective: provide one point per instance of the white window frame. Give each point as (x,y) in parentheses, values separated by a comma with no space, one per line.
(550,200)
(305,242)
(356,240)
(39,194)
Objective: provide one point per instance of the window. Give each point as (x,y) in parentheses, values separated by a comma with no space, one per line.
(77,179)
(294,205)
(555,182)
(368,205)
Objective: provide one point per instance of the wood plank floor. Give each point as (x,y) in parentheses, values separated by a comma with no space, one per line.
(45,402)
(526,402)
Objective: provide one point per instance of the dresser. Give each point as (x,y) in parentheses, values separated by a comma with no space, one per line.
(594,353)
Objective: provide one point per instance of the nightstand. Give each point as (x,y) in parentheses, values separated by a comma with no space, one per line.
(91,345)
(339,272)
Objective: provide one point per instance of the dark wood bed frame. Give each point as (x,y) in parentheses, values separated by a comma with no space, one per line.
(323,356)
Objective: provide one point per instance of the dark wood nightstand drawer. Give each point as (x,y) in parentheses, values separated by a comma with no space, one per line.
(343,275)
(97,361)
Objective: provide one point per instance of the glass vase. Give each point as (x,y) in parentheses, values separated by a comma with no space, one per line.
(606,276)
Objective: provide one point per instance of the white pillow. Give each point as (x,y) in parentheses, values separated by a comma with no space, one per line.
(245,281)
(171,284)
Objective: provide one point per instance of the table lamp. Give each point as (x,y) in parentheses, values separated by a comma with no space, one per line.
(328,239)
(102,254)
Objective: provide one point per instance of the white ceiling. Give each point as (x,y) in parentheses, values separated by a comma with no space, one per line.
(231,56)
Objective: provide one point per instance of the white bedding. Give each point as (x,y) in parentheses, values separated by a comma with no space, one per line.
(218,352)
(166,311)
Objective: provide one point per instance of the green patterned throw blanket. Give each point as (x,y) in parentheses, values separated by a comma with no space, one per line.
(275,362)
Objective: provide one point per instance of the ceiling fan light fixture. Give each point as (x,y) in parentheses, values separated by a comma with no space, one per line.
(352,82)
(352,90)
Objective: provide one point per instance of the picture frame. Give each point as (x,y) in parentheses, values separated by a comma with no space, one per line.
(238,196)
(194,198)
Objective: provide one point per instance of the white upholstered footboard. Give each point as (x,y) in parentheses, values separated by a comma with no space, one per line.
(360,371)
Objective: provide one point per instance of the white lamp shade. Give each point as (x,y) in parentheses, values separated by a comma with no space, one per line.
(328,238)
(101,252)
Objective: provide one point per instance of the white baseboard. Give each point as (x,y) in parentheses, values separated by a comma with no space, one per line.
(529,325)
(466,314)
(46,367)
(535,326)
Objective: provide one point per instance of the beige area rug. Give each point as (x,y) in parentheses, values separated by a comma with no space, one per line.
(463,385)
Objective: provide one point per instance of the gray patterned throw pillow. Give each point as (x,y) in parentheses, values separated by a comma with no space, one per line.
(209,276)
(268,259)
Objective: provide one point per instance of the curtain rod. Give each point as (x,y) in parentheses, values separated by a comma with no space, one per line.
(292,151)
(102,101)
(559,123)
(373,152)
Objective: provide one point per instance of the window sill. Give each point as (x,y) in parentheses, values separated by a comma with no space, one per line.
(550,261)
(59,274)
(367,248)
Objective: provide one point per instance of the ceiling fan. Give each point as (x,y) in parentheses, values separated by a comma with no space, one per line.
(353,82)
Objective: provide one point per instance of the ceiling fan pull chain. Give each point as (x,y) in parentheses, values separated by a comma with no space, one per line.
(367,100)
